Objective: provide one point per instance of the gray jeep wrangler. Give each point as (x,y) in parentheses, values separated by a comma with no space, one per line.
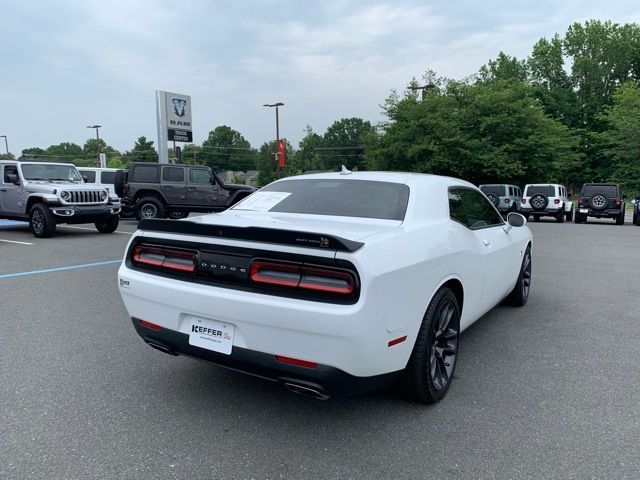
(47,194)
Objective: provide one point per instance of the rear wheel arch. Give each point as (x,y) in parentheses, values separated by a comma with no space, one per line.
(149,193)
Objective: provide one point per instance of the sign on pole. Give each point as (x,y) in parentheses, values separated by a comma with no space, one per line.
(103,160)
(173,111)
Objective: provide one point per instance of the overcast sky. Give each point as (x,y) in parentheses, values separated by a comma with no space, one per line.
(65,65)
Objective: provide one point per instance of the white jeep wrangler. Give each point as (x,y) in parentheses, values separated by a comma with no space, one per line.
(546,199)
(47,194)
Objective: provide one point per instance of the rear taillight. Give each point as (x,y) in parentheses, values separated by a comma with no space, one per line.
(165,258)
(506,200)
(618,202)
(580,199)
(556,201)
(302,277)
(524,200)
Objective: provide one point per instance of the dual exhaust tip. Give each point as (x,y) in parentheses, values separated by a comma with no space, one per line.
(292,387)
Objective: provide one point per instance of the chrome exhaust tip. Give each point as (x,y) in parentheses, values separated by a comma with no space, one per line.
(308,391)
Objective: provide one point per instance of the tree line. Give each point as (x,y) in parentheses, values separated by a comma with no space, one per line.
(567,113)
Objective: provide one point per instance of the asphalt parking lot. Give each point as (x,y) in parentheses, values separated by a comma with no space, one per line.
(551,390)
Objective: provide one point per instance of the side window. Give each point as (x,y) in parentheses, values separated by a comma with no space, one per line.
(9,170)
(199,175)
(511,192)
(173,174)
(89,174)
(472,209)
(143,173)
(107,178)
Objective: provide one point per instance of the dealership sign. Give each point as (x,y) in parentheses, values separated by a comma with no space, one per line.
(174,119)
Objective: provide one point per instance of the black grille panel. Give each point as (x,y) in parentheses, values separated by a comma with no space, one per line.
(85,196)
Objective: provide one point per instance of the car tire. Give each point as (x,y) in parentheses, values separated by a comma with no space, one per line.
(580,217)
(620,218)
(520,293)
(108,226)
(536,218)
(149,207)
(432,364)
(177,214)
(560,216)
(41,221)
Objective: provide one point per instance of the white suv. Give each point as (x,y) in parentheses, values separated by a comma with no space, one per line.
(546,200)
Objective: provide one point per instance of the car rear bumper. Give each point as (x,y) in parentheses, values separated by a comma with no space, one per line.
(600,213)
(349,338)
(545,211)
(326,380)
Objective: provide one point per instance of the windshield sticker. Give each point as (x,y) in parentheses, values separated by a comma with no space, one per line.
(261,201)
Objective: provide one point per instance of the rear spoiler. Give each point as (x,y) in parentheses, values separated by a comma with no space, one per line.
(253,234)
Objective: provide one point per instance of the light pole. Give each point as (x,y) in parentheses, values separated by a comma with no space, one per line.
(425,89)
(278,104)
(6,144)
(97,127)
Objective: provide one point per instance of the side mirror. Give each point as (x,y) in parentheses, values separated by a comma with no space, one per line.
(516,220)
(13,178)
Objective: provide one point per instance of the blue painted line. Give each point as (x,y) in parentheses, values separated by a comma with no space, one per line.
(59,269)
(11,223)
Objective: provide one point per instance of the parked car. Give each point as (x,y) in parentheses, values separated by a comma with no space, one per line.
(600,200)
(330,283)
(105,177)
(47,194)
(506,198)
(550,200)
(159,190)
(636,213)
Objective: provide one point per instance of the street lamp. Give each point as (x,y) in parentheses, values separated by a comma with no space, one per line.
(6,144)
(97,140)
(278,104)
(425,89)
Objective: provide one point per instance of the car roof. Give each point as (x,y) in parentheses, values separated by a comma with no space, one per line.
(393,177)
(95,169)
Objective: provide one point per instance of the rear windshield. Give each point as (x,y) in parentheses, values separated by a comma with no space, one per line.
(108,178)
(546,190)
(609,191)
(495,189)
(344,198)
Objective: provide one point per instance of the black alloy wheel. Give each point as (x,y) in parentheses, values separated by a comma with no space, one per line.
(41,221)
(431,367)
(520,293)
(149,207)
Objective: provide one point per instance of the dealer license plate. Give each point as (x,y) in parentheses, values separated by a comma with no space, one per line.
(584,210)
(211,334)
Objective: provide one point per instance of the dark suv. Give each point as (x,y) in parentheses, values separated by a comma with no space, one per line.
(600,200)
(154,190)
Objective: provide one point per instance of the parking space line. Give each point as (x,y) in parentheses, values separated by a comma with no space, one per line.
(14,241)
(93,229)
(60,269)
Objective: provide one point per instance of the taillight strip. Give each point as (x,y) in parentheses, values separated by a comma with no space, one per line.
(170,259)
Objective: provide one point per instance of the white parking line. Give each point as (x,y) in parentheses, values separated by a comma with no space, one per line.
(13,241)
(93,229)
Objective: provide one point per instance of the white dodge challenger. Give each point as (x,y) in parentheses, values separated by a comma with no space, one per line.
(331,284)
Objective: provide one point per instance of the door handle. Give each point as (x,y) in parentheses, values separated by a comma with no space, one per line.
(3,189)
(486,243)
(191,188)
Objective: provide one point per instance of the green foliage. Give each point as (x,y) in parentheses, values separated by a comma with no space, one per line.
(308,154)
(342,143)
(143,151)
(620,142)
(226,149)
(491,131)
(267,166)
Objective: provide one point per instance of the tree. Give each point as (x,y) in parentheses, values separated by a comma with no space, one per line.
(143,151)
(32,153)
(267,166)
(504,68)
(226,149)
(308,154)
(620,142)
(492,131)
(342,143)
